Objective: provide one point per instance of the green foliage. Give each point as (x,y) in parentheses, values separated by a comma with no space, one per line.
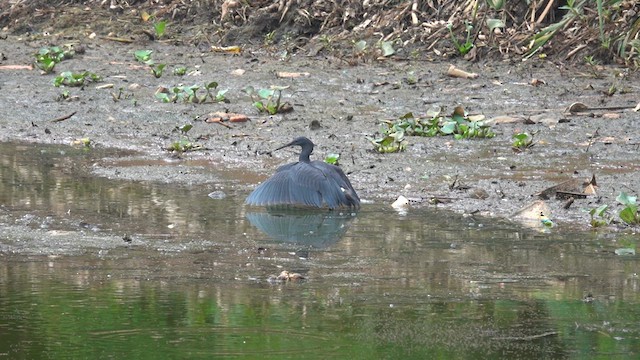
(159,27)
(189,94)
(180,70)
(458,124)
(69,78)
(269,38)
(386,47)
(574,12)
(157,70)
(390,142)
(184,144)
(48,57)
(600,216)
(630,212)
(144,56)
(522,141)
(496,4)
(332,159)
(268,100)
(465,47)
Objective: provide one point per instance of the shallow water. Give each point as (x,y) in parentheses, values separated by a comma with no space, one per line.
(97,268)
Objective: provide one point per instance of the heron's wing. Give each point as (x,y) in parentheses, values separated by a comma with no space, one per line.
(315,184)
(338,180)
(292,184)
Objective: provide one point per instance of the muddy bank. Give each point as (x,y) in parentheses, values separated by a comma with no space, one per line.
(349,103)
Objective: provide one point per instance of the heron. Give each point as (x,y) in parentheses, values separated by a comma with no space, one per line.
(306,183)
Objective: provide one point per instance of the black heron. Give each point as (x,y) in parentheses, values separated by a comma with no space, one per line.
(313,184)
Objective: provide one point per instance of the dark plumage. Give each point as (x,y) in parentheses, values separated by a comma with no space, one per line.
(306,184)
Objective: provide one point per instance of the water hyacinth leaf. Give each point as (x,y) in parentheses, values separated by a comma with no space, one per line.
(521,136)
(164,97)
(185,128)
(496,4)
(360,46)
(143,56)
(258,105)
(249,90)
(625,199)
(629,214)
(493,24)
(160,27)
(332,159)
(220,95)
(387,48)
(600,210)
(265,93)
(448,128)
(625,251)
(406,116)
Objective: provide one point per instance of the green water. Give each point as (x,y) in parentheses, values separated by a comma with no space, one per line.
(193,278)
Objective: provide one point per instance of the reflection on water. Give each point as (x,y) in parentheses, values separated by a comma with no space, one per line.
(194,284)
(313,228)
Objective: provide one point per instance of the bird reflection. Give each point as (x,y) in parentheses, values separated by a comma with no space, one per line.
(303,227)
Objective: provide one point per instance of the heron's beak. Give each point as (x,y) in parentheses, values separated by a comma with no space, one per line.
(283,146)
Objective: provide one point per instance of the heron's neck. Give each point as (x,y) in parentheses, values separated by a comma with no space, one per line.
(304,154)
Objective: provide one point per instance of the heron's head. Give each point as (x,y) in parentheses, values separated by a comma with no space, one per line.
(299,141)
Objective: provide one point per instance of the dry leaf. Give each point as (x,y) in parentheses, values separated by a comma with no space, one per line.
(227,49)
(218,117)
(284,74)
(455,72)
(537,82)
(16,67)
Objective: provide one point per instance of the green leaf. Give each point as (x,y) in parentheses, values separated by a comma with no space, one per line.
(601,210)
(387,48)
(159,27)
(259,105)
(448,128)
(220,95)
(360,46)
(163,97)
(143,56)
(265,93)
(629,214)
(249,90)
(625,199)
(406,116)
(185,128)
(211,85)
(332,159)
(493,24)
(496,4)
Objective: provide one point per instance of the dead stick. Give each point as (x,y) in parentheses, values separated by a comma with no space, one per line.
(595,134)
(223,124)
(126,41)
(63,118)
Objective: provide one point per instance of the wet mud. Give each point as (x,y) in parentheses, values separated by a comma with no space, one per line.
(479,176)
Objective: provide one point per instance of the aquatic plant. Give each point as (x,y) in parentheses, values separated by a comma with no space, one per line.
(47,57)
(190,94)
(69,78)
(268,100)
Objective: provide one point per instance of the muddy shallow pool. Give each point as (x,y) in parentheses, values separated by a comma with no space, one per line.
(96,267)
